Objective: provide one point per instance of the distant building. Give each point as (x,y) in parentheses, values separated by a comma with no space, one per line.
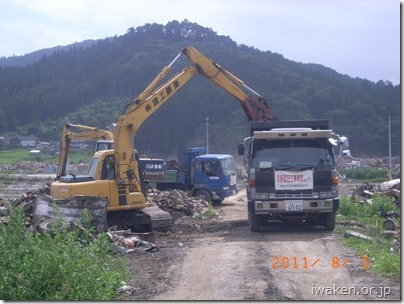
(43,145)
(28,141)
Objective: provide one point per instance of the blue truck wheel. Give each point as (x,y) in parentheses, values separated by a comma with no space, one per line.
(204,194)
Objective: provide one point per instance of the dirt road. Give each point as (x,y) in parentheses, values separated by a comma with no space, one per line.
(221,259)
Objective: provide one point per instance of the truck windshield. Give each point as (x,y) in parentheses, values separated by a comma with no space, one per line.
(228,166)
(302,152)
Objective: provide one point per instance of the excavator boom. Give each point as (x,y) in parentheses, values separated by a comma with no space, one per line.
(142,107)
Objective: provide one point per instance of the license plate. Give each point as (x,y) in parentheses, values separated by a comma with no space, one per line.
(294,206)
(233,180)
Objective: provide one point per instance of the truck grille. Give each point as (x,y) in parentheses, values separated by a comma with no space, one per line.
(293,195)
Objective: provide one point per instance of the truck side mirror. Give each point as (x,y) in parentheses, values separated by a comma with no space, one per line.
(346,153)
(344,142)
(241,149)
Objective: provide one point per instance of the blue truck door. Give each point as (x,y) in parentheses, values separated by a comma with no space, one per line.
(209,174)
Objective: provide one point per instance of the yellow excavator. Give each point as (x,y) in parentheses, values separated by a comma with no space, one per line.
(115,173)
(81,132)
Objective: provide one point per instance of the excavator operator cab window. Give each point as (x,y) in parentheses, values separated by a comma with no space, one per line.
(108,168)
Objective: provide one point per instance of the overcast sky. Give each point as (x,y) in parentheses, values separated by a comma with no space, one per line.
(360,38)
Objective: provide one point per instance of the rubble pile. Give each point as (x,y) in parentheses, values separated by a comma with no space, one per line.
(24,167)
(122,241)
(178,203)
(366,191)
(172,164)
(392,188)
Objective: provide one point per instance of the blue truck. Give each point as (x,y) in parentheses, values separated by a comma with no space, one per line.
(212,177)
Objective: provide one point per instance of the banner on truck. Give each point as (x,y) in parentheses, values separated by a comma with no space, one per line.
(287,180)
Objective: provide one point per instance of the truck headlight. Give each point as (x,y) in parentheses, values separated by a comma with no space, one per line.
(259,196)
(328,194)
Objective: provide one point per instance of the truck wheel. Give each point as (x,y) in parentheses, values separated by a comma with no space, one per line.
(204,194)
(329,221)
(217,202)
(255,222)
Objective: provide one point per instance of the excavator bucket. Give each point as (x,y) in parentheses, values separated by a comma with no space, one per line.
(257,109)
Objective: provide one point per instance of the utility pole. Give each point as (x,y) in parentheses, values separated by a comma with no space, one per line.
(390,144)
(207,135)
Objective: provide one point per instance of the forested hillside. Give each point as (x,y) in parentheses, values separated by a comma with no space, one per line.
(91,84)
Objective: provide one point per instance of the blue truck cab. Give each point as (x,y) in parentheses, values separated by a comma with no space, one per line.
(210,176)
(216,174)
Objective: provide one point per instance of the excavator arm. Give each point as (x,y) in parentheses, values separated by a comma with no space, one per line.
(255,108)
(81,133)
(151,99)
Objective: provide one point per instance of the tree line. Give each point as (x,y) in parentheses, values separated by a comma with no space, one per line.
(91,84)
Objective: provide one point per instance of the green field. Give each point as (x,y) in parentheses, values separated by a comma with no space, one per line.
(13,157)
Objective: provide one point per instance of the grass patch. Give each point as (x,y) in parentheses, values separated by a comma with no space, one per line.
(55,267)
(383,261)
(14,157)
(368,174)
(210,213)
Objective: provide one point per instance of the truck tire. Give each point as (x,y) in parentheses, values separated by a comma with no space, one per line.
(217,202)
(53,226)
(255,222)
(329,221)
(203,194)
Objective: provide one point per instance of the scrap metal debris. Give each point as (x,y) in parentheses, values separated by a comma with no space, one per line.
(351,233)
(389,225)
(352,224)
(125,241)
(47,211)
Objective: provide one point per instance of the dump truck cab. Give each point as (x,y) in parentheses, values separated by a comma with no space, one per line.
(216,174)
(291,173)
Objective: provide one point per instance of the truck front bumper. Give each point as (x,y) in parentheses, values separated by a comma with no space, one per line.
(280,206)
(221,195)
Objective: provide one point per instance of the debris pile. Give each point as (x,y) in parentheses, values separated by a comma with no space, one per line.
(41,217)
(125,241)
(391,229)
(392,189)
(38,208)
(24,167)
(178,203)
(172,164)
(366,192)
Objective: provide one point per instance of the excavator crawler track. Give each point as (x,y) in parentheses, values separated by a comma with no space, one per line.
(160,220)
